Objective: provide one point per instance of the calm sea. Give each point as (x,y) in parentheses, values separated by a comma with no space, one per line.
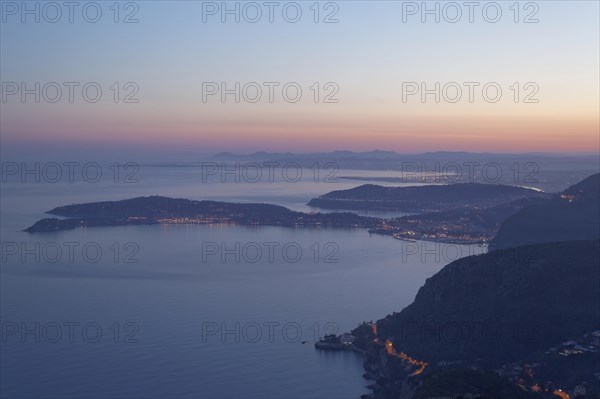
(192,311)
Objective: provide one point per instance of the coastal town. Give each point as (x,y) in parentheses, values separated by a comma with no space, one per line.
(534,377)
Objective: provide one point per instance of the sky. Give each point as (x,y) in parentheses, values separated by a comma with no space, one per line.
(361,76)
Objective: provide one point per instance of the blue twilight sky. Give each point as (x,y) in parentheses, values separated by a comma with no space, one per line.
(368,54)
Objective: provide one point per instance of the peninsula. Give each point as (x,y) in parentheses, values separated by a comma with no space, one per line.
(419,199)
(165,210)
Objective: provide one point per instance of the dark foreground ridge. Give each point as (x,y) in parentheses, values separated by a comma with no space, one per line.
(515,317)
(572,215)
(164,210)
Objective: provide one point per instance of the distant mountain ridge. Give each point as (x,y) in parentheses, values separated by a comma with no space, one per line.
(549,172)
(289,155)
(390,154)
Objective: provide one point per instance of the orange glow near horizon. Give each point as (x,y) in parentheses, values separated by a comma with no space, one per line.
(295,134)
